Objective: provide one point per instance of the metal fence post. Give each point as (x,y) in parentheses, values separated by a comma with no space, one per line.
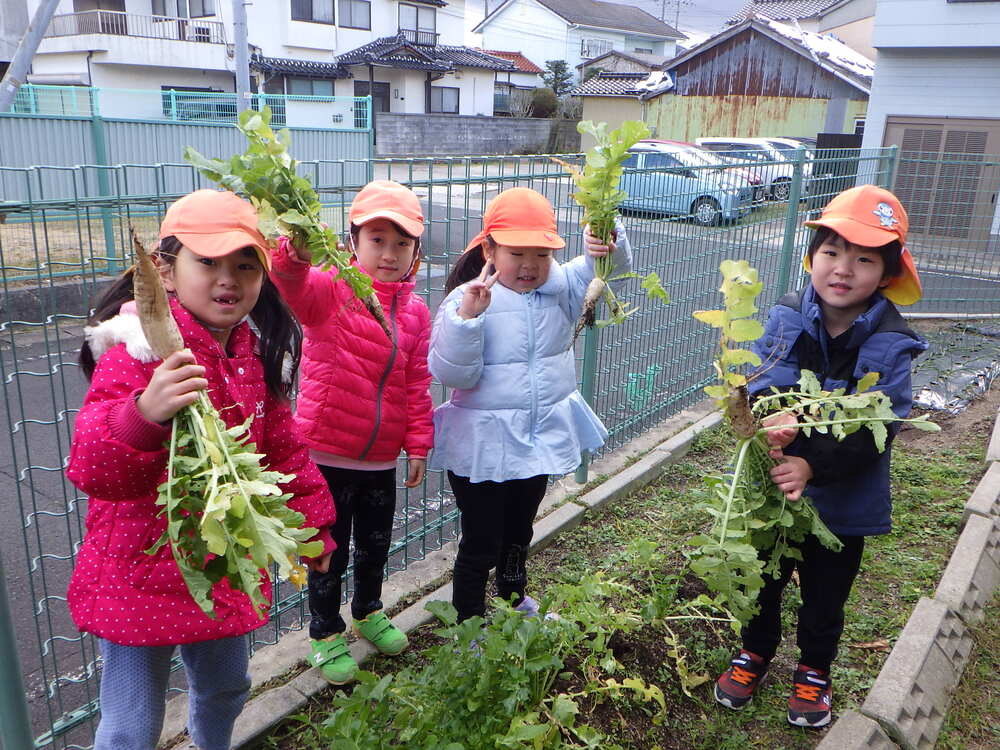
(589,377)
(791,222)
(104,187)
(890,172)
(15,727)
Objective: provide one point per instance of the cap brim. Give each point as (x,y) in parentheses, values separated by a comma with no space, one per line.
(412,227)
(527,238)
(905,289)
(217,244)
(855,232)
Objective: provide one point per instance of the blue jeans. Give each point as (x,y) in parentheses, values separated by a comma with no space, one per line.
(134,690)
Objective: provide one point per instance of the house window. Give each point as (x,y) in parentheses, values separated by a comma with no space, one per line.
(859,126)
(647,50)
(310,86)
(418,23)
(590,48)
(356,14)
(184,8)
(444,100)
(315,11)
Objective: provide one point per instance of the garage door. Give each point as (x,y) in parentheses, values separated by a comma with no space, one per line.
(948,176)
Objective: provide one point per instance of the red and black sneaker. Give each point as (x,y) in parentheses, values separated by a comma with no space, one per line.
(810,704)
(735,687)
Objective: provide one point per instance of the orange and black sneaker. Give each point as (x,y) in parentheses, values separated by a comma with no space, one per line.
(810,704)
(735,687)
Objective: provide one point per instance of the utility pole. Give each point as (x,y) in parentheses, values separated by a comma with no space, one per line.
(25,51)
(241,55)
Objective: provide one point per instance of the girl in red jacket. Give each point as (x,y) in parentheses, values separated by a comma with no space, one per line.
(213,262)
(362,399)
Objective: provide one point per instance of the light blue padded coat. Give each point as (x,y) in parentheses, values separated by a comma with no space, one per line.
(515,411)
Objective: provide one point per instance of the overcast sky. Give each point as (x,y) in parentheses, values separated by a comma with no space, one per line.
(701,15)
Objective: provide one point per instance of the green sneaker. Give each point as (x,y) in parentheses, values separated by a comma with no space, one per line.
(333,658)
(382,634)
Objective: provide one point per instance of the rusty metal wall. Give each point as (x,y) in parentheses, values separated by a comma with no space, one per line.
(752,64)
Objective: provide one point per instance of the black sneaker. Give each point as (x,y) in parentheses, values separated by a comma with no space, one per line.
(810,704)
(735,687)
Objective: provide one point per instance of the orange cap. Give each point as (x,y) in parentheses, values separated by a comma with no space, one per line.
(385,199)
(871,216)
(213,223)
(520,217)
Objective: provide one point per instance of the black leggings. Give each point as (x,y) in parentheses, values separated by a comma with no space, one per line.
(368,500)
(825,580)
(496,522)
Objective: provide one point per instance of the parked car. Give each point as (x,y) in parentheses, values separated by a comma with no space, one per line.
(698,156)
(661,180)
(762,158)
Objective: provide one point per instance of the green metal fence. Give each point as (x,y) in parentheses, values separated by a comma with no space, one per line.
(58,254)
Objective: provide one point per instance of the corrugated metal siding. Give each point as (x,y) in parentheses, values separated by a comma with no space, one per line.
(755,65)
(685,118)
(26,141)
(144,146)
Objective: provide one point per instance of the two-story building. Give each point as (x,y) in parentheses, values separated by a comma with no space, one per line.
(408,54)
(936,95)
(851,21)
(575,30)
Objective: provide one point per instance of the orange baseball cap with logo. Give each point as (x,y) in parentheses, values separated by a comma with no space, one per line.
(385,199)
(520,217)
(214,223)
(871,216)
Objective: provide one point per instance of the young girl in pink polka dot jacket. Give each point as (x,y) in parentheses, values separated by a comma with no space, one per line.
(214,263)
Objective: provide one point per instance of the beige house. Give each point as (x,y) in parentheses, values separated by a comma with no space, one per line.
(610,97)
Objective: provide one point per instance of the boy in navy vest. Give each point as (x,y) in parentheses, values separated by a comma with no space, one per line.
(841,326)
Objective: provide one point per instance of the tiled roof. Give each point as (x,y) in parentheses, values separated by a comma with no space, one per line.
(601,15)
(522,63)
(397,52)
(303,68)
(610,84)
(643,58)
(783,10)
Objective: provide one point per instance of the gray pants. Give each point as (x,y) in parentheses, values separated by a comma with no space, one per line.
(134,690)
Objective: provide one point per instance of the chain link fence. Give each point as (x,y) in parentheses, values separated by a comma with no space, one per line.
(57,254)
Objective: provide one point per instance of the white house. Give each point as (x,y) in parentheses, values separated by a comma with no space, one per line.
(936,91)
(408,54)
(574,30)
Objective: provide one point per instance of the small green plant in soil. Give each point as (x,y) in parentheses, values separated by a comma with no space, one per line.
(750,514)
(286,202)
(598,192)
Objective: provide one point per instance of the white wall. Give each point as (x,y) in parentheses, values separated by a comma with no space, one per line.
(936,23)
(932,83)
(526,27)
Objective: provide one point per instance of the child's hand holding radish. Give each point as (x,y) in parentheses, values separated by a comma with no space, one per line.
(780,438)
(595,246)
(174,385)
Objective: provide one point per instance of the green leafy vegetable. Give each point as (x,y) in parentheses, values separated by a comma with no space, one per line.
(599,194)
(227,518)
(286,202)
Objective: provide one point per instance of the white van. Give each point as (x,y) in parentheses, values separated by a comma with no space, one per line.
(772,164)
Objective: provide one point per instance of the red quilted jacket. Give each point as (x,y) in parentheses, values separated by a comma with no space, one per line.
(361,396)
(117,591)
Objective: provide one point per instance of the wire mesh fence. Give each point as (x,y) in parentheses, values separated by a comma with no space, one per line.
(683,219)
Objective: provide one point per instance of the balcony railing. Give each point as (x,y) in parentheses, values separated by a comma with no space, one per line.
(421,38)
(129,24)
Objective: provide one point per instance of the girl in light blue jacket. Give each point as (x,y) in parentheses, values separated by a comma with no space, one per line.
(502,340)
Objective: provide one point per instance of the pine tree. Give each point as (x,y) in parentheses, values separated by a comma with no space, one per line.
(557,77)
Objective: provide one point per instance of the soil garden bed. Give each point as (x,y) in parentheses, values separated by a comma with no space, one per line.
(639,542)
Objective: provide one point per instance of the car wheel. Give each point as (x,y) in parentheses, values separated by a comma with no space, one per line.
(706,212)
(781,189)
